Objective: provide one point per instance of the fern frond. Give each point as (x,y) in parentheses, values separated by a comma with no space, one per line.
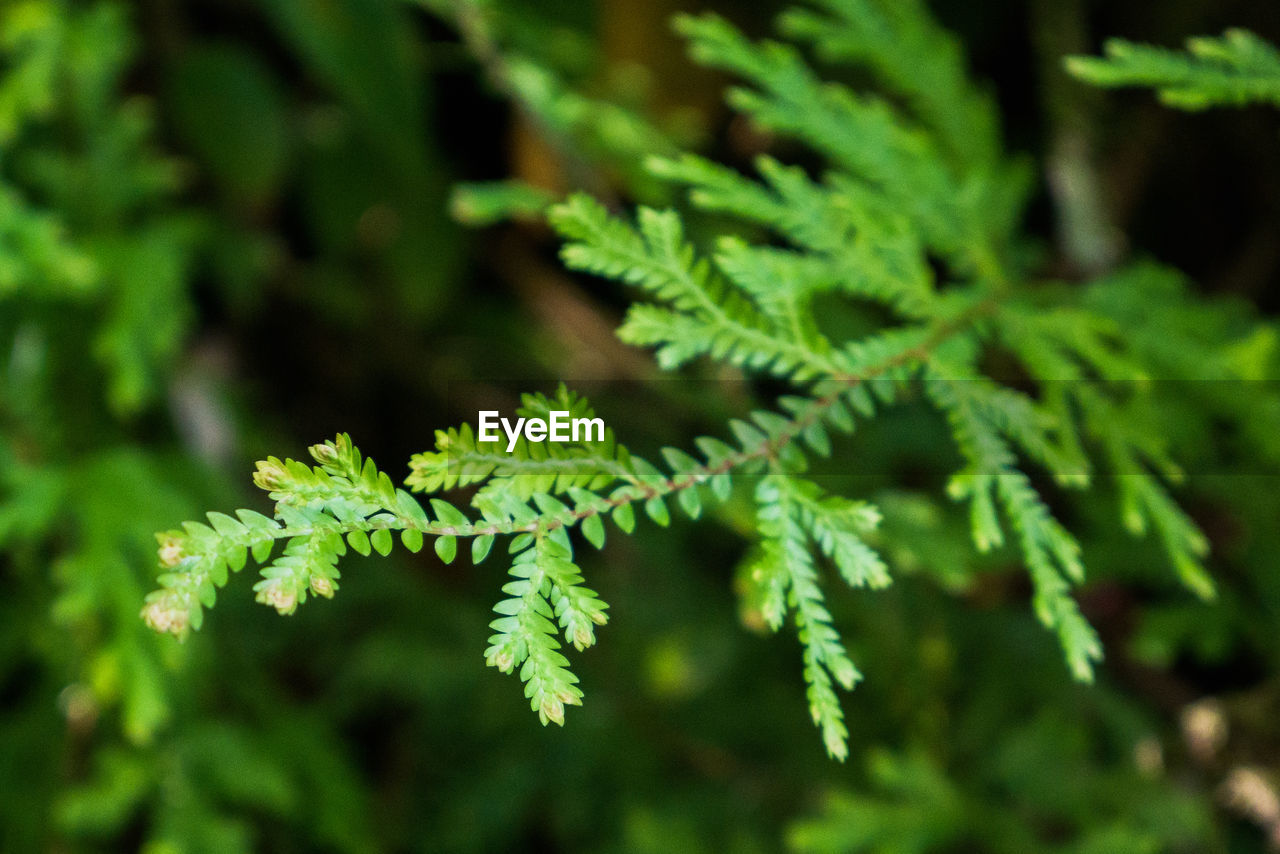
(717,319)
(462,459)
(861,244)
(1051,553)
(913,55)
(309,564)
(1146,502)
(1233,70)
(860,134)
(837,525)
(1126,431)
(546,588)
(788,564)
(1053,559)
(1067,343)
(316,507)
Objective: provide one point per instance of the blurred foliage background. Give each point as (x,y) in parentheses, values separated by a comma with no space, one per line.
(230,228)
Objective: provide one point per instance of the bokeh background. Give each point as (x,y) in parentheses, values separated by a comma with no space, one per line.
(232,228)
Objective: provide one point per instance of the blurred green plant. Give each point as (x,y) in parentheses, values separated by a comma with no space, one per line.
(95,257)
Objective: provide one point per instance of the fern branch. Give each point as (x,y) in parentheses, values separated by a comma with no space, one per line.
(719,319)
(786,558)
(320,501)
(1051,553)
(1234,70)
(547,588)
(913,55)
(865,137)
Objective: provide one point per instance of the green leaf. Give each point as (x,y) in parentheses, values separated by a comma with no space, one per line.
(690,502)
(624,517)
(657,511)
(359,541)
(412,539)
(381,541)
(1237,69)
(593,530)
(448,514)
(480,547)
